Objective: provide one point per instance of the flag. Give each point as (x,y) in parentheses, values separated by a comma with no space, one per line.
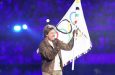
(74,19)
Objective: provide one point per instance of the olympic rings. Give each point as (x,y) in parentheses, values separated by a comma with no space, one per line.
(63,29)
(69,22)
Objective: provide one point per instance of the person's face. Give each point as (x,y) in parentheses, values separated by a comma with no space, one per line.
(51,35)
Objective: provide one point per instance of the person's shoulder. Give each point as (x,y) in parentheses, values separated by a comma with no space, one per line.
(42,42)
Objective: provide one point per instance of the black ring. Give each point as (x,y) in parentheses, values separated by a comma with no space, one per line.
(62,31)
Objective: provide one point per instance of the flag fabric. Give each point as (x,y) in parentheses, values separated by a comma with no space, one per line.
(74,19)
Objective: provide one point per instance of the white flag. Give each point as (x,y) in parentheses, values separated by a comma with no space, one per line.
(74,19)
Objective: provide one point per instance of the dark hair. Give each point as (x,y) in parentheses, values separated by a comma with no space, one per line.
(47,29)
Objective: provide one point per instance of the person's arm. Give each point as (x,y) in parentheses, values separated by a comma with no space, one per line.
(48,52)
(67,46)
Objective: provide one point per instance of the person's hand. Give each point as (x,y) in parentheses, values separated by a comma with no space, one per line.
(75,32)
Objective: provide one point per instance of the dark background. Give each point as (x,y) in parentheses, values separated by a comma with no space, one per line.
(18,49)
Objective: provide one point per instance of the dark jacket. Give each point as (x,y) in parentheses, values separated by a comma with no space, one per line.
(48,53)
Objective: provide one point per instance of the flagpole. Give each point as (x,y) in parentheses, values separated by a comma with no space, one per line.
(73,61)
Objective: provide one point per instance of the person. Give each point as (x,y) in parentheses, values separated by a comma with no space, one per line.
(50,51)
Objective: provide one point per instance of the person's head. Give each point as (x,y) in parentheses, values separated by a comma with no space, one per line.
(49,32)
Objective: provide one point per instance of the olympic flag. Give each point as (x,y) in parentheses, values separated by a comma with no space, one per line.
(74,19)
